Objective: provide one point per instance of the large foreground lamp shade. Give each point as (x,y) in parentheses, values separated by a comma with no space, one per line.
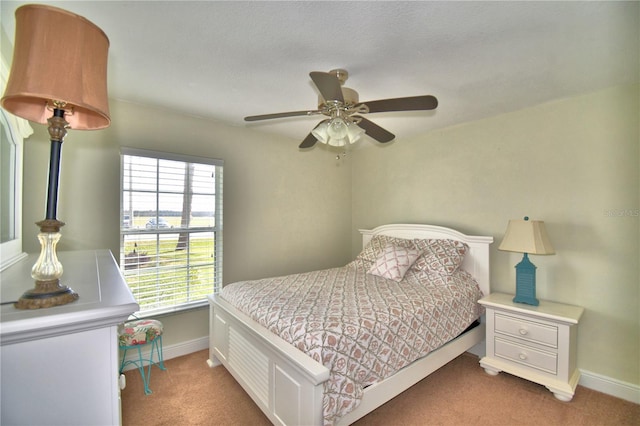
(58,76)
(528,237)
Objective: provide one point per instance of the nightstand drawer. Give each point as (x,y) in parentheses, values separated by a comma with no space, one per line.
(527,330)
(541,360)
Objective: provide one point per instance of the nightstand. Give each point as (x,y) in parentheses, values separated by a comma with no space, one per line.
(537,343)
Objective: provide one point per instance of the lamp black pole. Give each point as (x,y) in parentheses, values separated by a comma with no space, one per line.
(57,132)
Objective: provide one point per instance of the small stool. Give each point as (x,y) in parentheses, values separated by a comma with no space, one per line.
(135,335)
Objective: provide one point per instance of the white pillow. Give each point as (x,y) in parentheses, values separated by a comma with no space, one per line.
(394,262)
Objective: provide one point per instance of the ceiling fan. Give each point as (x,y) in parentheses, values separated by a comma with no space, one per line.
(345,123)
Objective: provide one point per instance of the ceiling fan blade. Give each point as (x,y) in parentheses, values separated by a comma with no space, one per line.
(414,103)
(328,85)
(310,140)
(281,115)
(375,131)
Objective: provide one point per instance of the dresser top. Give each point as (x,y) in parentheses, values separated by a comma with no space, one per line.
(104,297)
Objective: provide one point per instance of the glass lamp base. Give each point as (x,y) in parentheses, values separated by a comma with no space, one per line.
(47,272)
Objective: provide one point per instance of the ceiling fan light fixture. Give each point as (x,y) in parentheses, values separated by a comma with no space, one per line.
(337,128)
(337,132)
(320,132)
(354,132)
(338,142)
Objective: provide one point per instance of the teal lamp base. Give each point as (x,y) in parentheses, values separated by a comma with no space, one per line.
(526,282)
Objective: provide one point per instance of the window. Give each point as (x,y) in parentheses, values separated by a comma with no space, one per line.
(170,228)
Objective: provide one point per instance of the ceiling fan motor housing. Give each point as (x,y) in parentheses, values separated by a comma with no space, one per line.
(350,97)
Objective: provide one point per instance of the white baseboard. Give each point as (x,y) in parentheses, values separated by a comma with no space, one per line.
(613,387)
(597,382)
(171,351)
(186,348)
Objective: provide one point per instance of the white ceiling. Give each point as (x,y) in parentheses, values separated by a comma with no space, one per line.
(226,60)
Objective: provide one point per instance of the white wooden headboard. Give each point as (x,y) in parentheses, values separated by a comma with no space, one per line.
(476,261)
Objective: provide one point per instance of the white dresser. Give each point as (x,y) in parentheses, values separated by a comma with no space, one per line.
(59,366)
(537,343)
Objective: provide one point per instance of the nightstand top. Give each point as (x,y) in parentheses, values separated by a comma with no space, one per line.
(551,310)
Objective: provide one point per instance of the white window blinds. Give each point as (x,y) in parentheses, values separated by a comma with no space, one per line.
(170,228)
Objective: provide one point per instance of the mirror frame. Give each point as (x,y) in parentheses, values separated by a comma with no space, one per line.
(18,129)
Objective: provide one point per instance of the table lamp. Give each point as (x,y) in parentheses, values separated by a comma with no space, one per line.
(58,76)
(528,237)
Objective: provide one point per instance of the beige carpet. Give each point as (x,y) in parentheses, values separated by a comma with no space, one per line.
(460,393)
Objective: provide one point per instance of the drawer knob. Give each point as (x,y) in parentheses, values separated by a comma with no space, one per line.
(522,356)
(523,332)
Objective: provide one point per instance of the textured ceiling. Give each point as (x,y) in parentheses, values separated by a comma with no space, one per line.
(226,60)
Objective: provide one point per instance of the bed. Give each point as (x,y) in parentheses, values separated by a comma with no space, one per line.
(293,388)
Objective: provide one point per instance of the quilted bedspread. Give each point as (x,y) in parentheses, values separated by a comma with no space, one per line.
(362,327)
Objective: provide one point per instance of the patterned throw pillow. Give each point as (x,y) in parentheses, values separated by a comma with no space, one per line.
(374,249)
(441,256)
(394,262)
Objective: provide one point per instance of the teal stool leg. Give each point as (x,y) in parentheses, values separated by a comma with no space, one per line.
(145,378)
(124,356)
(157,343)
(140,362)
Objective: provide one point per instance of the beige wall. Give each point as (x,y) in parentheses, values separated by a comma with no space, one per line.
(285,211)
(571,163)
(567,163)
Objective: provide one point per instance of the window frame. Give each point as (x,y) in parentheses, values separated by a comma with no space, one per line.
(216,229)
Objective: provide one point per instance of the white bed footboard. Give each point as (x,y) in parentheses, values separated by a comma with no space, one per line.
(284,382)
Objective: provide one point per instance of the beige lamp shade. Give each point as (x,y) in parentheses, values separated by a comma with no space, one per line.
(58,56)
(526,236)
